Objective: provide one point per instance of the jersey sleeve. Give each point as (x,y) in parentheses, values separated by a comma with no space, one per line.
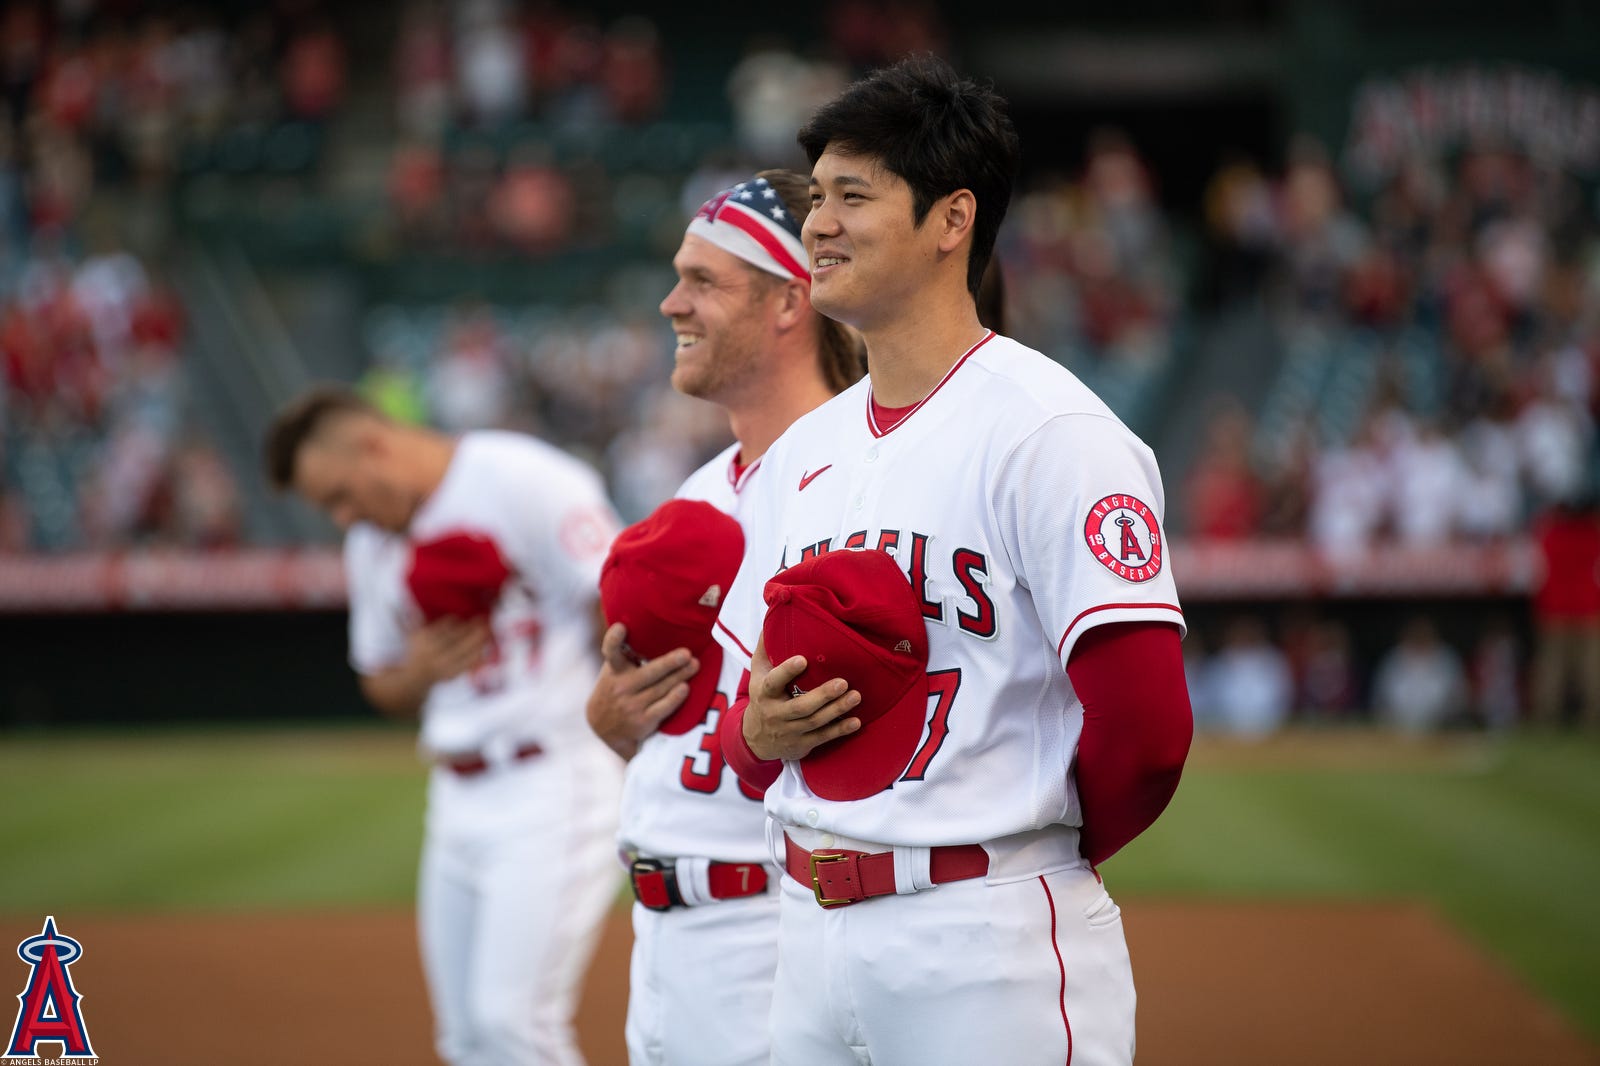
(1081,511)
(377,641)
(563,527)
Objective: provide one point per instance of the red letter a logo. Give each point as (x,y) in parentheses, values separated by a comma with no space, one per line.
(49,1004)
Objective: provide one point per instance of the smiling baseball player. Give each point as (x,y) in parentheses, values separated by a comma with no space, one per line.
(940,903)
(705,921)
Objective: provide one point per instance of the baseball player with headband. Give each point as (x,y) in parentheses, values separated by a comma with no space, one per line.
(471,565)
(706,919)
(966,687)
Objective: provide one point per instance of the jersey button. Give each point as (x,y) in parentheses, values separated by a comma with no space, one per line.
(812,817)
(860,501)
(872,454)
(828,840)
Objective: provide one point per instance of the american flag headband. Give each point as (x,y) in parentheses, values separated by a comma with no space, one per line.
(750,221)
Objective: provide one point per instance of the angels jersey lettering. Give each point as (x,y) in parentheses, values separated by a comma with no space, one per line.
(1024,513)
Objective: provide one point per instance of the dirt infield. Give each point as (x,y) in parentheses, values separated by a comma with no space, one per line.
(1235,984)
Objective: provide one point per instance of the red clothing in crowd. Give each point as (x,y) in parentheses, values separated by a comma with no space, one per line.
(1569,544)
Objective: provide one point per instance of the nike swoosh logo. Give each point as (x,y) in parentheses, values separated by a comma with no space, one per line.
(806,479)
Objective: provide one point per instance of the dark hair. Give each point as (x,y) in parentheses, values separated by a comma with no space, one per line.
(841,357)
(301,420)
(934,130)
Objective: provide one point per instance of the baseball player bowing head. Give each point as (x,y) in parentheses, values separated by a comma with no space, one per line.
(965,687)
(471,565)
(706,918)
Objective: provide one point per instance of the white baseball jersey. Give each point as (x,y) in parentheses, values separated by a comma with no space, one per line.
(547,514)
(518,867)
(1024,513)
(680,799)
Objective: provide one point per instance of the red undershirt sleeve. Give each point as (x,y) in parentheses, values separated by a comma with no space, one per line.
(759,774)
(1137,726)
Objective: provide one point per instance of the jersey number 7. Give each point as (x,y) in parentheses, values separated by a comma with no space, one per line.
(942,684)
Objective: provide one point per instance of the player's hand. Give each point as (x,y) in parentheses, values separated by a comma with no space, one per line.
(780,726)
(632,698)
(447,647)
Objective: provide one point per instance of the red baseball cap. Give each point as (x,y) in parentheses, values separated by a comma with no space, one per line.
(664,580)
(853,614)
(458,575)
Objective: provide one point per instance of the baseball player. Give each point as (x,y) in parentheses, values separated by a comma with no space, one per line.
(705,920)
(471,565)
(939,833)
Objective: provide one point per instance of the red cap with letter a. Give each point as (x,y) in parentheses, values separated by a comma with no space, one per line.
(854,615)
(664,580)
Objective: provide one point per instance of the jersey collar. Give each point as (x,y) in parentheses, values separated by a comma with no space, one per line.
(879,431)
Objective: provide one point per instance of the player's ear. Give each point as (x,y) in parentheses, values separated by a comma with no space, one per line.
(794,305)
(956,214)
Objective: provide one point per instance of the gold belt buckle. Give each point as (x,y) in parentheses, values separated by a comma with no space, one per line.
(818,857)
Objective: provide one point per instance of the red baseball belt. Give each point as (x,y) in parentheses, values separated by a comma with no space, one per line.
(655,882)
(841,877)
(474,763)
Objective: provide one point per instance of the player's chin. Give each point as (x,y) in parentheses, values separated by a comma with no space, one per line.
(691,378)
(833,300)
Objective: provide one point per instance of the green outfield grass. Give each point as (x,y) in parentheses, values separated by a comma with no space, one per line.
(183,820)
(1502,838)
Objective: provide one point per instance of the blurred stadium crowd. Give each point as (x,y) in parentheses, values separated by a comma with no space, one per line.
(1439,328)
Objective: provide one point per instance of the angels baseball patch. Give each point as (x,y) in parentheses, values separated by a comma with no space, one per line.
(1123,535)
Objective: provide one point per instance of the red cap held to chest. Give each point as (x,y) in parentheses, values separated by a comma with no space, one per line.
(458,575)
(854,615)
(664,580)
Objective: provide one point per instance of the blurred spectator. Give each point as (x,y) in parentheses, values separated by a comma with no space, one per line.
(1566,609)
(1429,482)
(22,54)
(634,72)
(472,178)
(1249,689)
(423,71)
(534,204)
(1288,486)
(1224,495)
(773,92)
(1419,685)
(417,191)
(1322,240)
(490,69)
(1350,494)
(1096,282)
(1491,500)
(1327,675)
(122,500)
(1556,439)
(1241,223)
(469,384)
(1496,676)
(576,97)
(875,33)
(314,72)
(205,508)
